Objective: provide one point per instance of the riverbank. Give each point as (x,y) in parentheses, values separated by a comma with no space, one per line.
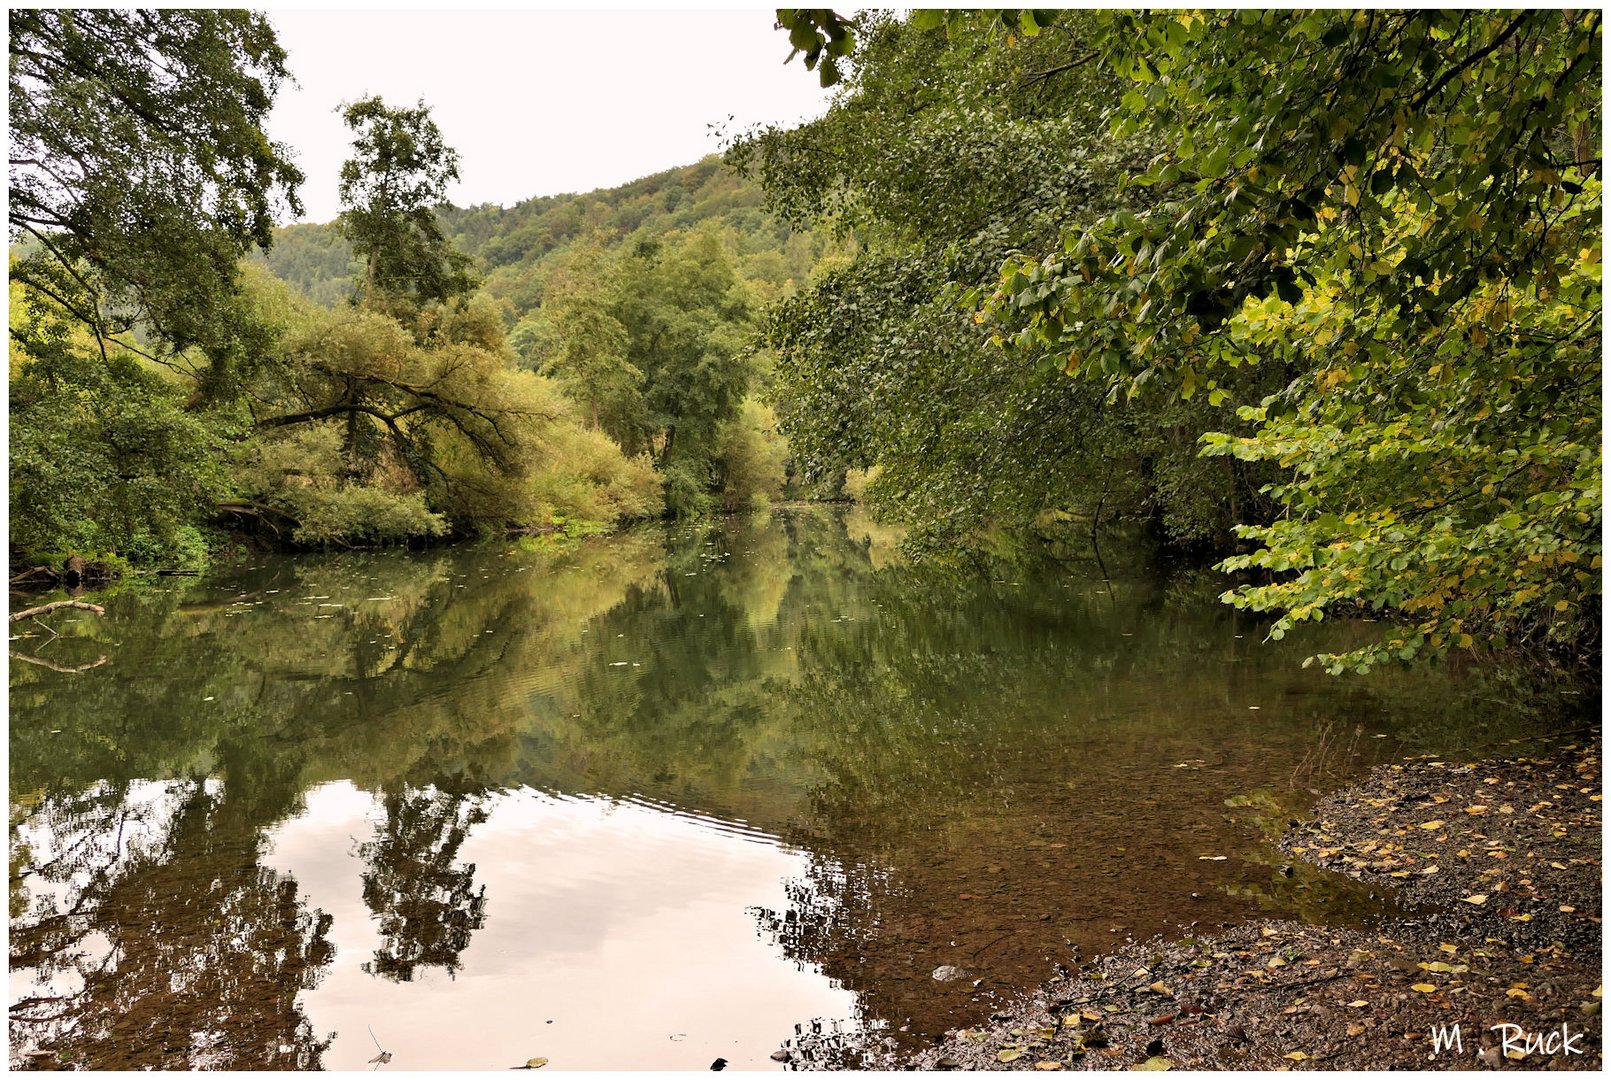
(1498,860)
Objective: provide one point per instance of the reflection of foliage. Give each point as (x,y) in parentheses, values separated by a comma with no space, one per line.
(909,728)
(153,919)
(427,906)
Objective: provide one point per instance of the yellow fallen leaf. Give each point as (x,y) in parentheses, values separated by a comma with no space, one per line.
(1527,917)
(1432,825)
(1446,947)
(1048,1066)
(1425,988)
(1296,1055)
(1522,994)
(1356,1029)
(1476,898)
(1360,1004)
(1009,1055)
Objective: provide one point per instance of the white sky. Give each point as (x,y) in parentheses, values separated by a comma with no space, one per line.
(537,102)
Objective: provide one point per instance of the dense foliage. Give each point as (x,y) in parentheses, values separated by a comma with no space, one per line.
(1377,233)
(1405,207)
(987,143)
(139,170)
(516,248)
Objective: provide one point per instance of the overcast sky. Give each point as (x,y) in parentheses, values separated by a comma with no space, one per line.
(537,102)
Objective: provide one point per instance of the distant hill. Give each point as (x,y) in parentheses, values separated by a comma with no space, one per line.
(512,245)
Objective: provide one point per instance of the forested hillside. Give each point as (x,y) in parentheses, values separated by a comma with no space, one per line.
(513,246)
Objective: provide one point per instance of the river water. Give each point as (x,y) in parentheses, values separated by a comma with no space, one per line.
(678,795)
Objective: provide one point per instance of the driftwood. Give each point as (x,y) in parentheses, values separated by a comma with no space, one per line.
(45,609)
(52,665)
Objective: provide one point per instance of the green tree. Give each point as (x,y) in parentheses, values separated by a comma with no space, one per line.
(390,190)
(104,456)
(1405,207)
(575,338)
(988,142)
(140,172)
(687,318)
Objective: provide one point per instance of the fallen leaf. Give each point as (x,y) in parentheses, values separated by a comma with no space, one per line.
(1425,988)
(1048,1066)
(1476,898)
(1009,1055)
(1154,1064)
(1356,1029)
(1296,1055)
(1360,1004)
(1432,824)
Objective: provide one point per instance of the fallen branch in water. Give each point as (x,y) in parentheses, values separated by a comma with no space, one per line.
(52,665)
(46,609)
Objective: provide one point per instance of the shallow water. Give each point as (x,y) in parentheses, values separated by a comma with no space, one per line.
(672,796)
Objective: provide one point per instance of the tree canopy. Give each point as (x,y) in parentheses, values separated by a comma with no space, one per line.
(1373,235)
(390,189)
(139,169)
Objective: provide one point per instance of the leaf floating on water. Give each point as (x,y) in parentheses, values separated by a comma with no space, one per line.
(1154,1064)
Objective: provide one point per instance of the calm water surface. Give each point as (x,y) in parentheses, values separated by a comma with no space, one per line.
(672,796)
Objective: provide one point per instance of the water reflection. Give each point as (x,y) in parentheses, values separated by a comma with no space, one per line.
(678,792)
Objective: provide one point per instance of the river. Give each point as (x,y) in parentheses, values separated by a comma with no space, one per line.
(688,793)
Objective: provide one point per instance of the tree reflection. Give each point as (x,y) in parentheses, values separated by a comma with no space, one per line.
(156,941)
(427,905)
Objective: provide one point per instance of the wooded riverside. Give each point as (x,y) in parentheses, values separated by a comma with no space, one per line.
(1252,355)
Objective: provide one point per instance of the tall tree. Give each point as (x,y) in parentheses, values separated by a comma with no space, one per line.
(390,190)
(989,142)
(139,170)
